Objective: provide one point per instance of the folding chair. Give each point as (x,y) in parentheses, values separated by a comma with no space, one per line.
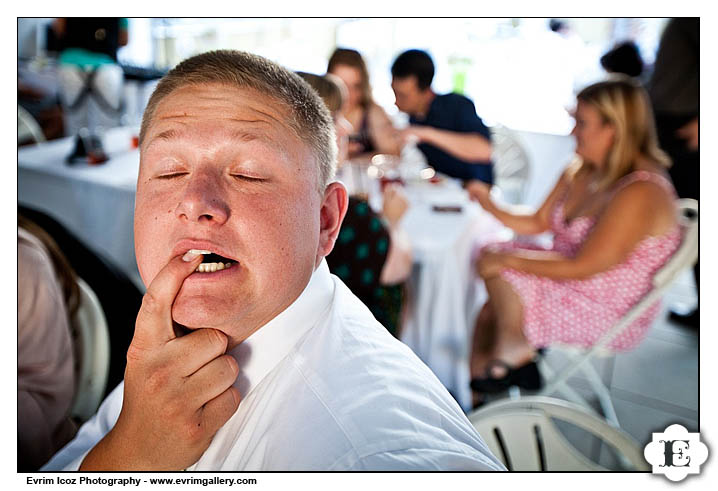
(524,435)
(579,358)
(28,129)
(92,345)
(511,164)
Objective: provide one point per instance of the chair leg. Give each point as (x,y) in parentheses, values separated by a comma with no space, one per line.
(604,395)
(560,385)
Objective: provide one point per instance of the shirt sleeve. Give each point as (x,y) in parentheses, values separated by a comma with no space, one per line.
(428,459)
(467,120)
(70,457)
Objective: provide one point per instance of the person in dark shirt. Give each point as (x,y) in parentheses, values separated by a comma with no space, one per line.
(675,94)
(446,127)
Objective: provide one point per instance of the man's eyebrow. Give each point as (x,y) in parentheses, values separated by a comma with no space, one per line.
(166,135)
(241,135)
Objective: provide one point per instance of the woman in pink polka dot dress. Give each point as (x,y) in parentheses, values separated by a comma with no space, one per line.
(613,217)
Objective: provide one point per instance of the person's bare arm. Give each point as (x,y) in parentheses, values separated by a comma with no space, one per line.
(59,25)
(689,132)
(385,137)
(524,224)
(471,147)
(123,37)
(640,209)
(399,259)
(178,390)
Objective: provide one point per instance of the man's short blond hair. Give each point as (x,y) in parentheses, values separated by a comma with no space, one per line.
(308,116)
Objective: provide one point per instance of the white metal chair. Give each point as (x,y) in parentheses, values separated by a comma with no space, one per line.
(93,353)
(28,130)
(579,359)
(511,164)
(524,435)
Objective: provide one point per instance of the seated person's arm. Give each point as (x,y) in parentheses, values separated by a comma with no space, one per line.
(59,25)
(382,132)
(638,210)
(471,147)
(45,385)
(399,259)
(524,224)
(470,141)
(123,34)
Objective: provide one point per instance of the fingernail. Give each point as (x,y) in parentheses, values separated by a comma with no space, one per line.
(189,256)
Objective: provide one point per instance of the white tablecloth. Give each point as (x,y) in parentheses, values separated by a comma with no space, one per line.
(95,202)
(443,294)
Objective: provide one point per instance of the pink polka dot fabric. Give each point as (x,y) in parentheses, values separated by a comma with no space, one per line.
(578,312)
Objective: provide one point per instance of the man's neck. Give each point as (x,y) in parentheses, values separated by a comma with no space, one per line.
(427,99)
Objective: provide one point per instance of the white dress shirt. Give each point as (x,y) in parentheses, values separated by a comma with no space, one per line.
(325,387)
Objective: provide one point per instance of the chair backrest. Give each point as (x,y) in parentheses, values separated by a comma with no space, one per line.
(118,295)
(524,434)
(93,353)
(511,164)
(687,253)
(28,130)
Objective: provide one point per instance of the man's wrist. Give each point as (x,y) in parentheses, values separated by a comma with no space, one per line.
(428,134)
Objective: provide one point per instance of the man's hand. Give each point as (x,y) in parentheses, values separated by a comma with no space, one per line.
(479,191)
(414,134)
(689,132)
(178,390)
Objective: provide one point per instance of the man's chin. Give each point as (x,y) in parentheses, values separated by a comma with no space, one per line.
(197,315)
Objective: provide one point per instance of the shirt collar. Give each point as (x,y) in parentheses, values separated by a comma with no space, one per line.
(265,348)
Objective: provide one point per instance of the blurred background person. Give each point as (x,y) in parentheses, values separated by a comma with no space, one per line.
(373,131)
(449,133)
(674,90)
(90,78)
(372,254)
(613,216)
(48,296)
(623,58)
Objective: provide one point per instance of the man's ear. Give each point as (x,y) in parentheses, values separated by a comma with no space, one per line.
(333,209)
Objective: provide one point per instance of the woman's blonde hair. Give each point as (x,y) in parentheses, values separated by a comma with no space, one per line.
(624,104)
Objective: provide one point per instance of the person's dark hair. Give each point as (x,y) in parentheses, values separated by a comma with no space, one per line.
(414,62)
(64,272)
(623,58)
(556,25)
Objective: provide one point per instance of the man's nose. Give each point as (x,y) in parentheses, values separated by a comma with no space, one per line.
(203,201)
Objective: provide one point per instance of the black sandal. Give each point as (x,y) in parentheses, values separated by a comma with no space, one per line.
(526,376)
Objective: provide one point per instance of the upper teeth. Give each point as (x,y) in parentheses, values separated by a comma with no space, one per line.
(199,251)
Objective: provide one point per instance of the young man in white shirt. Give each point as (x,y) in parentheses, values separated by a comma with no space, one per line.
(259,359)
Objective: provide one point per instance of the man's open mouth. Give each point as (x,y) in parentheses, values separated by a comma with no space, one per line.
(212,262)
